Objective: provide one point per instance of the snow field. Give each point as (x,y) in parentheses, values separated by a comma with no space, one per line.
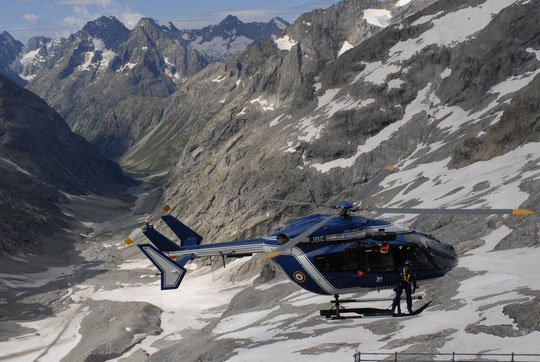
(447,188)
(450,29)
(54,339)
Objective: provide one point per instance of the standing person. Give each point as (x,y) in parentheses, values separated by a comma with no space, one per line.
(406,278)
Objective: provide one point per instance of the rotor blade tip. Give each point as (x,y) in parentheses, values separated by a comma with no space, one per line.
(522,212)
(128,241)
(206,190)
(390,168)
(272,254)
(166,208)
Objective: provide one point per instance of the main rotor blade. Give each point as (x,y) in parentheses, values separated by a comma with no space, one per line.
(289,244)
(373,183)
(263,198)
(392,210)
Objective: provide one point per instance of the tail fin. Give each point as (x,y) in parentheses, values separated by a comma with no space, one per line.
(187,236)
(162,242)
(172,272)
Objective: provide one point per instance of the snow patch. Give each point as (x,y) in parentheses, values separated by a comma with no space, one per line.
(87,62)
(446,73)
(311,132)
(424,19)
(535,52)
(377,17)
(220,78)
(17,167)
(376,72)
(346,46)
(266,106)
(285,42)
(395,83)
(327,97)
(127,66)
(402,2)
(220,48)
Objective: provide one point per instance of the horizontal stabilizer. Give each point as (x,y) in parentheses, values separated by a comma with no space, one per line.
(185,234)
(161,242)
(172,272)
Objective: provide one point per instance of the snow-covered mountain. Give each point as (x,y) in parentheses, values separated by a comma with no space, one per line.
(122,71)
(231,36)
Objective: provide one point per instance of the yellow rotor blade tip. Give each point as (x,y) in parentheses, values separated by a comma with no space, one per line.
(390,168)
(166,208)
(128,240)
(522,212)
(272,254)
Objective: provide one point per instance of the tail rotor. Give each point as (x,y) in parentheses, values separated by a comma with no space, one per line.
(139,230)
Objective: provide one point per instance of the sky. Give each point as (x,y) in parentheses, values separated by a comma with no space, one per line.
(60,18)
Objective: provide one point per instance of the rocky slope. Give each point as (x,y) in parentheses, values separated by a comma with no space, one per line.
(42,160)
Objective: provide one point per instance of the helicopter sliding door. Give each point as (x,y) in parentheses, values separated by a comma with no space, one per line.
(357,267)
(369,266)
(356,260)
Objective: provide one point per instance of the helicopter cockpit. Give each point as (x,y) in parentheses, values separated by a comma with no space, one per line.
(425,253)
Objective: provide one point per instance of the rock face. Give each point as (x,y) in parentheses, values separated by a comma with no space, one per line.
(41,157)
(9,51)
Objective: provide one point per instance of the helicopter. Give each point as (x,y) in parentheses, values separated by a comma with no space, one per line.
(328,254)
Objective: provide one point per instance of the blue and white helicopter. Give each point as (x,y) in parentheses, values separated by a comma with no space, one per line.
(333,254)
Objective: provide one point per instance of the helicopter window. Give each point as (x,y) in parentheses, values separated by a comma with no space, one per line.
(380,262)
(419,259)
(366,260)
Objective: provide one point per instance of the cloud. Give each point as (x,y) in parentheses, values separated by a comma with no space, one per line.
(128,17)
(32,18)
(80,17)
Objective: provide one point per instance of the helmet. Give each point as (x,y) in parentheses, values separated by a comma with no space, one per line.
(407,263)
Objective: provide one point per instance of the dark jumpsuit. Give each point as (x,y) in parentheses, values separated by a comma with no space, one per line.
(404,282)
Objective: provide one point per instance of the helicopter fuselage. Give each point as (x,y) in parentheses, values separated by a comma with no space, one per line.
(347,255)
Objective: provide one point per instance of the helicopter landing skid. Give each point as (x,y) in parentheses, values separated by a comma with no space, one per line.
(340,312)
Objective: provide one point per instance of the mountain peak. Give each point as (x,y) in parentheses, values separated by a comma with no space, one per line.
(230,19)
(109,29)
(279,22)
(147,22)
